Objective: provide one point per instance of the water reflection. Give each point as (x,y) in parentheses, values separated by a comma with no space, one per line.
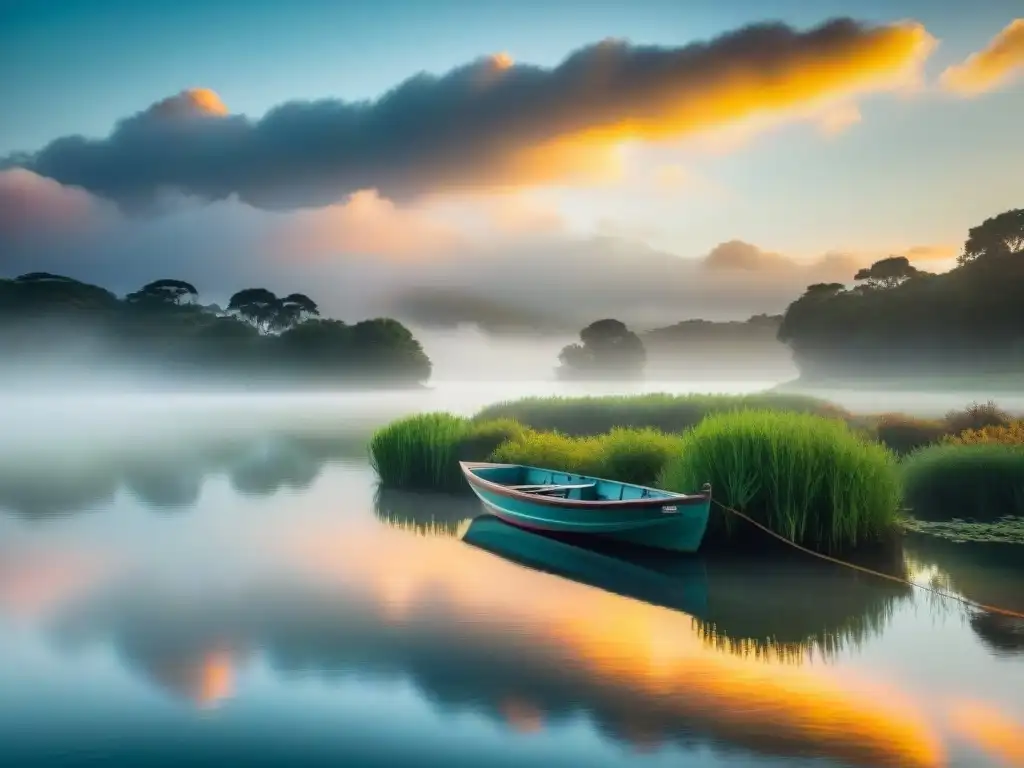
(985,572)
(424,513)
(804,608)
(168,474)
(484,627)
(482,635)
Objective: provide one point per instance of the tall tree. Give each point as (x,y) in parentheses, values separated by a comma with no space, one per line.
(607,348)
(886,273)
(996,236)
(256,305)
(292,310)
(165,292)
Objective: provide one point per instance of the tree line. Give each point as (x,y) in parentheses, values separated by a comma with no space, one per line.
(164,329)
(898,320)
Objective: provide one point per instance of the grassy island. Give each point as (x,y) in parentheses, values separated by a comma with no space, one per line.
(805,468)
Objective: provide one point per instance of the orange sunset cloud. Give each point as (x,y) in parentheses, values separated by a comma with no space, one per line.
(1001,61)
(492,123)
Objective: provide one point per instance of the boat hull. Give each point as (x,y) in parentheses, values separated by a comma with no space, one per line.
(663,523)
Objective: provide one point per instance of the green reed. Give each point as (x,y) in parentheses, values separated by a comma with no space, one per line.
(423,452)
(982,481)
(808,478)
(627,455)
(588,416)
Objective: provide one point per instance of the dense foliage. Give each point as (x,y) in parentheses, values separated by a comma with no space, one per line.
(978,480)
(902,322)
(811,479)
(668,413)
(51,322)
(607,350)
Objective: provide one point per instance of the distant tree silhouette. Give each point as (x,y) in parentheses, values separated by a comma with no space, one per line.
(904,322)
(164,292)
(1000,235)
(887,273)
(268,313)
(162,328)
(608,349)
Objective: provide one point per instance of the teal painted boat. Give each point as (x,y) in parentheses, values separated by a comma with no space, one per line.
(683,590)
(547,500)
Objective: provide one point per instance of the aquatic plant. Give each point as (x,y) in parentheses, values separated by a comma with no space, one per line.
(628,455)
(422,452)
(480,439)
(636,455)
(419,452)
(588,416)
(553,450)
(984,481)
(1004,530)
(808,478)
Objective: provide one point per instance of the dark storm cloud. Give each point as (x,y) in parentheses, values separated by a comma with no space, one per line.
(487,123)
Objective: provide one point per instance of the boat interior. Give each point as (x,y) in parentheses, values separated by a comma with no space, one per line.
(564,485)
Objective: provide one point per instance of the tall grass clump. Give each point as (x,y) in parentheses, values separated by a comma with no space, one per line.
(808,478)
(419,452)
(423,452)
(588,416)
(981,480)
(552,450)
(627,455)
(636,455)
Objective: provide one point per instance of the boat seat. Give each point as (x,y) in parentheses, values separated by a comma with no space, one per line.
(550,488)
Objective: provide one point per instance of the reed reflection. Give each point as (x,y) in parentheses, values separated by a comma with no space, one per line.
(985,572)
(478,633)
(426,514)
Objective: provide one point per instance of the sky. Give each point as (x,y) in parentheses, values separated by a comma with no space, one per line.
(660,159)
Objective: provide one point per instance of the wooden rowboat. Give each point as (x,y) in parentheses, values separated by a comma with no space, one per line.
(547,500)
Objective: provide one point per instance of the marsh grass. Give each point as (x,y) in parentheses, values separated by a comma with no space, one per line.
(422,452)
(808,478)
(589,416)
(419,452)
(628,455)
(983,481)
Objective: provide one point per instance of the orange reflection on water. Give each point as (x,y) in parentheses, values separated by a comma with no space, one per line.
(990,729)
(522,715)
(33,583)
(215,678)
(653,660)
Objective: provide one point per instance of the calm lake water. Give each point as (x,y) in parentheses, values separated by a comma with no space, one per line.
(217,581)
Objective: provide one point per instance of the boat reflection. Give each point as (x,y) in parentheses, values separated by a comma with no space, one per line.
(782,609)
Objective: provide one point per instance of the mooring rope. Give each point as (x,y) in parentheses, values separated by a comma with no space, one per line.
(880,574)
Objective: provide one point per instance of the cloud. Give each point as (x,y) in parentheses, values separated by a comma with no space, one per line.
(507,259)
(37,208)
(490,124)
(1001,61)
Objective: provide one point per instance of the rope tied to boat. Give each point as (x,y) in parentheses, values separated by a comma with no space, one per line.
(965,600)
